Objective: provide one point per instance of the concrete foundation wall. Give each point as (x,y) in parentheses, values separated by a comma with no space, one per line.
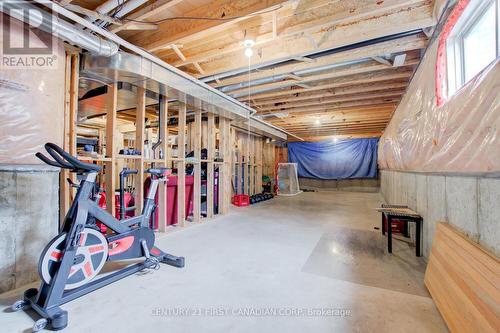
(356,185)
(472,203)
(29,218)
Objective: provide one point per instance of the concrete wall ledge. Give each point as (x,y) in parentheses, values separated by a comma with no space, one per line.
(357,185)
(29,218)
(469,202)
(27,168)
(493,174)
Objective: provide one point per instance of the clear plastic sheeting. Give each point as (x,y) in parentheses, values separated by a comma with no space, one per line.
(287,179)
(462,135)
(31,107)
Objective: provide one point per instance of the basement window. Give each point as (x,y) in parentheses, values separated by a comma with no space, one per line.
(472,43)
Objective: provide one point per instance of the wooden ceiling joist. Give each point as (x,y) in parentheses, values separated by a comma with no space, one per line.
(317,20)
(339,136)
(404,44)
(357,90)
(326,101)
(343,82)
(346,109)
(368,67)
(328,67)
(172,31)
(372,27)
(338,118)
(315,125)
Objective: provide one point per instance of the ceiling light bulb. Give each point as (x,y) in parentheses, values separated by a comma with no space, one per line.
(248,43)
(248,52)
(335,139)
(317,122)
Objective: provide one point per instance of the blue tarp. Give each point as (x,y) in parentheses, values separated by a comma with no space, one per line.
(354,158)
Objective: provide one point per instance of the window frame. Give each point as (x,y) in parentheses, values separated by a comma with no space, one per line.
(455,59)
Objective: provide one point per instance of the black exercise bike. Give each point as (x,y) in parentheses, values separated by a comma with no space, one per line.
(70,263)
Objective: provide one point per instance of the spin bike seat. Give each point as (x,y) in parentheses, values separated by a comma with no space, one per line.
(159,172)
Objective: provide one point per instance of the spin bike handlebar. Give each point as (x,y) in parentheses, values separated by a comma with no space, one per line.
(64,160)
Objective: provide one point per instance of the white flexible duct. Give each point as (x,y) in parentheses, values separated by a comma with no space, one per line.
(34,16)
(126,8)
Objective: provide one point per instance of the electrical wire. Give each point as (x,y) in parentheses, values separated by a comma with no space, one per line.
(250,168)
(201,18)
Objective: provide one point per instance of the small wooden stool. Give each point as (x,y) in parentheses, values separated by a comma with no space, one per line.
(402,213)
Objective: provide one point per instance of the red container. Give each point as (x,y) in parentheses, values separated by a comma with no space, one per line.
(241,200)
(172,199)
(172,188)
(397,226)
(129,202)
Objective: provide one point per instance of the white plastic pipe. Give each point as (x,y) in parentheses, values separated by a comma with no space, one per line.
(34,16)
(127,7)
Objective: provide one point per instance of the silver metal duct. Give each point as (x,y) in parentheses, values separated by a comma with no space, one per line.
(34,16)
(157,71)
(281,77)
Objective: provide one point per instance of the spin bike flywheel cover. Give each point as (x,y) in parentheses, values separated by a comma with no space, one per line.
(90,257)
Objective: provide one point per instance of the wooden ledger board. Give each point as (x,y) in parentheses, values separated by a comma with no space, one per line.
(464,281)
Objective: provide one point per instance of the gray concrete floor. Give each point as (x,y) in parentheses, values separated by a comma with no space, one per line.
(309,263)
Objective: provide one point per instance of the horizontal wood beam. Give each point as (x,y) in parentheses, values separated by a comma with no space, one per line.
(311,138)
(340,132)
(350,81)
(324,101)
(334,131)
(343,82)
(383,121)
(368,67)
(349,119)
(337,116)
(331,106)
(372,88)
(346,124)
(346,109)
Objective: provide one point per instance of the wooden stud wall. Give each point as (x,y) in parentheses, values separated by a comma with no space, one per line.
(69,139)
(110,172)
(181,165)
(212,132)
(139,140)
(197,165)
(251,154)
(162,188)
(225,173)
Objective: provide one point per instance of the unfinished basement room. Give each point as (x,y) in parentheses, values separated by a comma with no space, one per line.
(250,166)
